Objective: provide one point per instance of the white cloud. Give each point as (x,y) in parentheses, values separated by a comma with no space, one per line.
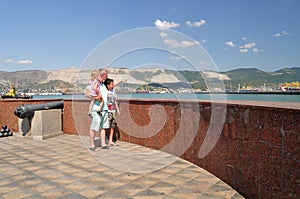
(249,45)
(176,58)
(163,34)
(230,43)
(171,42)
(195,23)
(199,42)
(8,61)
(255,50)
(244,38)
(26,61)
(199,23)
(184,44)
(282,34)
(190,24)
(165,24)
(243,50)
(175,44)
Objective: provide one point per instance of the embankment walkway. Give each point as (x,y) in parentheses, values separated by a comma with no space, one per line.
(62,167)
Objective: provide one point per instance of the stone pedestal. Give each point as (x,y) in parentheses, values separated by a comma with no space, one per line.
(44,124)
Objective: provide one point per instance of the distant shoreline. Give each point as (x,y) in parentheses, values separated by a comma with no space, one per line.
(255,92)
(243,96)
(227,92)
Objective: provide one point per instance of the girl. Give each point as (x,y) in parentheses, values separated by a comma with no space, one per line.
(94,91)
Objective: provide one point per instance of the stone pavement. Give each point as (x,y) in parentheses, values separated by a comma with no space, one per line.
(62,167)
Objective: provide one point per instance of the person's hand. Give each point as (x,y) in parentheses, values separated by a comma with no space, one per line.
(121,82)
(87,93)
(99,97)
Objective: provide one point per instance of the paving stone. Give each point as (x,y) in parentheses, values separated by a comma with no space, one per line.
(162,184)
(113,194)
(5,181)
(128,176)
(236,196)
(217,188)
(163,190)
(211,196)
(92,193)
(76,186)
(19,193)
(128,192)
(55,193)
(130,186)
(181,190)
(34,196)
(73,196)
(145,184)
(7,189)
(42,187)
(149,192)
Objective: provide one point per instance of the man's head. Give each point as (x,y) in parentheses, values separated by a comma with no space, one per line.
(103,75)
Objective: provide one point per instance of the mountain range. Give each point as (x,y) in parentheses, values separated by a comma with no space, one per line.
(68,78)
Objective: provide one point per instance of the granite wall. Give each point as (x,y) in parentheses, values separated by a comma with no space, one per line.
(255,149)
(8,106)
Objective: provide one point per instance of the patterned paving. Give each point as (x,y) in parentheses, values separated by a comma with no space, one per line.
(62,167)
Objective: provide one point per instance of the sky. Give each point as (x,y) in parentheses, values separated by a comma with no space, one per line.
(59,34)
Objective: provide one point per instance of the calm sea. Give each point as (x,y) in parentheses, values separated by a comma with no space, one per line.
(185,96)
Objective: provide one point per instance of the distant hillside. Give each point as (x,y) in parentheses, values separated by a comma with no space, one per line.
(256,77)
(72,77)
(30,75)
(248,76)
(286,75)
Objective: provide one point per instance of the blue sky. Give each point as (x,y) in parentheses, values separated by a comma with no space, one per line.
(58,34)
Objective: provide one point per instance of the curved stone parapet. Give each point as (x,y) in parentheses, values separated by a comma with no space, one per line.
(256,152)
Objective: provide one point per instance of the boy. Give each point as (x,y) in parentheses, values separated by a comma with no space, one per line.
(113,109)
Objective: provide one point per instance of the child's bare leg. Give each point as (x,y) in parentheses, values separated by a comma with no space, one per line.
(92,138)
(91,104)
(102,137)
(111,133)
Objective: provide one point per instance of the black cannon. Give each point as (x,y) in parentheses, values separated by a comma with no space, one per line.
(27,110)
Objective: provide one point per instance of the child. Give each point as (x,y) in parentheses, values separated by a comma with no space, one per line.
(112,108)
(94,91)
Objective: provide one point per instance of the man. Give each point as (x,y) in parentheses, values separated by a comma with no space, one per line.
(100,118)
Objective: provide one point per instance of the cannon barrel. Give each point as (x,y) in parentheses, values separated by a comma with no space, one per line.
(27,110)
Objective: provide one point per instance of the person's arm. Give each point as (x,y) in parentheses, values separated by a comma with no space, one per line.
(101,105)
(121,82)
(87,92)
(99,97)
(95,85)
(117,108)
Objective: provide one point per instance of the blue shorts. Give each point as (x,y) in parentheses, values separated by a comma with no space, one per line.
(99,120)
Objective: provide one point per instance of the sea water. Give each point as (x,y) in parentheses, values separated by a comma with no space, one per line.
(191,96)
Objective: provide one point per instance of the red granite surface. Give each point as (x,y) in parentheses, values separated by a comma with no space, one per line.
(257,151)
